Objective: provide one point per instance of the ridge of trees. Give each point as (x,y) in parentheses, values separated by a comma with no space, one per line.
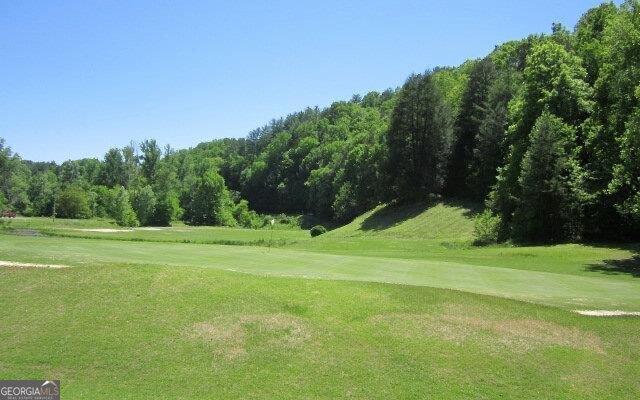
(545,130)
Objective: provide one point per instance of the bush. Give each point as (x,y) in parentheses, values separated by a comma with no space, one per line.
(487,228)
(73,202)
(245,217)
(144,204)
(102,201)
(167,209)
(207,200)
(122,211)
(318,230)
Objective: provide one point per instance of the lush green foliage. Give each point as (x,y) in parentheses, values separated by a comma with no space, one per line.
(207,200)
(419,139)
(549,208)
(546,119)
(486,228)
(377,286)
(121,209)
(73,203)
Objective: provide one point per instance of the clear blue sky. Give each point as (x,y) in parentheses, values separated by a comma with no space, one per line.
(79,77)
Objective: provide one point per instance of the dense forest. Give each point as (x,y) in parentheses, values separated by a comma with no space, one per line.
(545,131)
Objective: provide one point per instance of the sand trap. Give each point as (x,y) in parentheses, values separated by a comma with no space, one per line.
(104,230)
(30,265)
(111,230)
(608,313)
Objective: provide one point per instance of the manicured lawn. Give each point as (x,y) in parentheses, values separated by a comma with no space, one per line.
(397,304)
(106,229)
(139,331)
(565,290)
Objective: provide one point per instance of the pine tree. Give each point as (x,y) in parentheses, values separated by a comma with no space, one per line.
(549,207)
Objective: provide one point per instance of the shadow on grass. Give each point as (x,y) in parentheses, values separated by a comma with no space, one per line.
(628,266)
(394,214)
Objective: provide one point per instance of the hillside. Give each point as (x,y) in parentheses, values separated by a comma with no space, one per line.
(442,221)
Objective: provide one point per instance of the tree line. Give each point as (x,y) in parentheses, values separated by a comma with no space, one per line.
(545,131)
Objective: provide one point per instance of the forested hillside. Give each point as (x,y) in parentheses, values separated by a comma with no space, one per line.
(544,130)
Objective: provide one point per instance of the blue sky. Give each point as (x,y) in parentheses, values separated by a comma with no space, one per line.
(79,77)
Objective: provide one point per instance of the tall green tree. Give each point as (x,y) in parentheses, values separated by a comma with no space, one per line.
(144,203)
(42,192)
(207,201)
(467,125)
(618,74)
(151,155)
(113,169)
(130,166)
(419,139)
(626,174)
(549,206)
(554,80)
(491,139)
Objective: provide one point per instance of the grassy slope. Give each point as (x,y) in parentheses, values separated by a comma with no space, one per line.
(438,222)
(444,232)
(116,331)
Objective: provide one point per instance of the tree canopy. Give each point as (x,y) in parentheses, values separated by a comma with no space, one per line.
(545,130)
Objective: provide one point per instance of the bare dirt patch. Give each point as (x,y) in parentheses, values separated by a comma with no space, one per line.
(15,264)
(459,324)
(232,337)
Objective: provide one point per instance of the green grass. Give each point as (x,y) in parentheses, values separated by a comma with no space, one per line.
(449,221)
(364,311)
(125,331)
(177,233)
(444,232)
(559,289)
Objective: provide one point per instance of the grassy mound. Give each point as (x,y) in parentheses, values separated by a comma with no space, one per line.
(434,221)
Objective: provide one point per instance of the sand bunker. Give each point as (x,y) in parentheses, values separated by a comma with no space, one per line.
(111,230)
(104,230)
(16,264)
(608,313)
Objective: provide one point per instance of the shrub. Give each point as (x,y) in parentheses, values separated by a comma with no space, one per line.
(73,202)
(245,217)
(144,204)
(122,211)
(487,228)
(103,201)
(207,200)
(167,209)
(318,230)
